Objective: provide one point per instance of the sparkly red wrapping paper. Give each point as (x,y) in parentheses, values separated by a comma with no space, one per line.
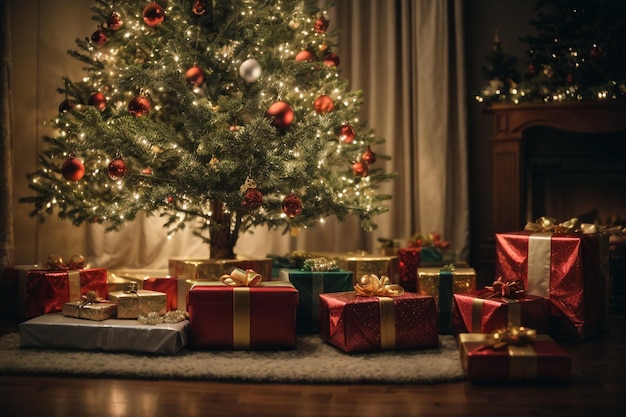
(167,285)
(353,323)
(571,271)
(408,262)
(272,316)
(45,291)
(543,360)
(480,312)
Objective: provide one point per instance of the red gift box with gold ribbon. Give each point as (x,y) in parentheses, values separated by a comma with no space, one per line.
(570,270)
(260,316)
(485,311)
(378,317)
(43,291)
(541,359)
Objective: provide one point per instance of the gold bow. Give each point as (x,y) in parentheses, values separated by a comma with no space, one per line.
(91,297)
(240,278)
(506,289)
(548,224)
(56,262)
(372,286)
(512,335)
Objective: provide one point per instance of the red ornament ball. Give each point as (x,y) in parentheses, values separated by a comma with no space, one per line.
(597,52)
(199,7)
(368,157)
(153,15)
(114,22)
(280,114)
(331,60)
(66,105)
(532,70)
(569,79)
(305,55)
(252,199)
(359,169)
(292,205)
(73,169)
(139,106)
(117,169)
(346,133)
(99,37)
(98,100)
(323,104)
(321,24)
(195,76)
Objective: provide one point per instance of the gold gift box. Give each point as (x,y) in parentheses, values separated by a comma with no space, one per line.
(130,305)
(213,269)
(363,263)
(90,311)
(463,280)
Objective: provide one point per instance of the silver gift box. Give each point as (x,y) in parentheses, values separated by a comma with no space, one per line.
(57,331)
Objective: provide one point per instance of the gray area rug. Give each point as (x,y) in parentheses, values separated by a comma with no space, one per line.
(313,362)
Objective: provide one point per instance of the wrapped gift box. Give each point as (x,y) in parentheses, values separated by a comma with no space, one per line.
(310,285)
(542,360)
(57,331)
(155,281)
(442,283)
(42,291)
(481,312)
(362,263)
(130,305)
(213,269)
(408,262)
(258,317)
(96,311)
(355,323)
(570,270)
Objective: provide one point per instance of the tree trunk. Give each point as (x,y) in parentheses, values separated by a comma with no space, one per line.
(222,243)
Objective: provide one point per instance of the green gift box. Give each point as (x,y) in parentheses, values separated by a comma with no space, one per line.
(310,284)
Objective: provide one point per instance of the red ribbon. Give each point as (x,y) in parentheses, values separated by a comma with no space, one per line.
(510,289)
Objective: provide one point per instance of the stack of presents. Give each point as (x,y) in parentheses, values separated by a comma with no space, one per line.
(551,285)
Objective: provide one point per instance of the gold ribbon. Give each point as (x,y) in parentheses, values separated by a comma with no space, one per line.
(510,336)
(240,278)
(548,224)
(372,286)
(387,323)
(56,262)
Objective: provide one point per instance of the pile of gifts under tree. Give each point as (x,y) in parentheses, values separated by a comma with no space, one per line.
(551,284)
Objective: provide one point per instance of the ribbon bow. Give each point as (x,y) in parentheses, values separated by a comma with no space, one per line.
(91,297)
(56,262)
(548,224)
(506,289)
(371,286)
(512,335)
(240,278)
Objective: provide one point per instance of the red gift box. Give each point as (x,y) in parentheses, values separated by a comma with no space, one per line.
(570,270)
(481,312)
(257,317)
(541,360)
(408,262)
(356,323)
(43,291)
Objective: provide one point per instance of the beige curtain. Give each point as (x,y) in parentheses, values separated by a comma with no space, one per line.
(406,55)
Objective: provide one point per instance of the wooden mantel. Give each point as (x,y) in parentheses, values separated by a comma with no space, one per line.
(510,122)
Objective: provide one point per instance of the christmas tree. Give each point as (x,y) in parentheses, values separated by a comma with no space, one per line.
(577,53)
(222,116)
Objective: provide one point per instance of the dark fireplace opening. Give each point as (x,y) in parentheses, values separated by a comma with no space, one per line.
(580,175)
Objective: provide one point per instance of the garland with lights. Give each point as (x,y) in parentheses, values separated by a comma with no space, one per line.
(222,115)
(577,54)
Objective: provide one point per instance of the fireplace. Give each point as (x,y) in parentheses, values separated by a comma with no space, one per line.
(562,160)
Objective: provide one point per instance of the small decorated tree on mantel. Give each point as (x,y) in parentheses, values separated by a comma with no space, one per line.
(220,115)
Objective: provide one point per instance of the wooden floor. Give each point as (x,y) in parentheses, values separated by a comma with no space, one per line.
(597,388)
